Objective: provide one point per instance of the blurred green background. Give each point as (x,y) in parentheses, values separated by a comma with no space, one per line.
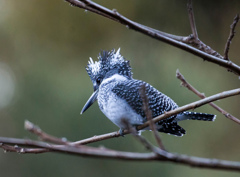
(44,48)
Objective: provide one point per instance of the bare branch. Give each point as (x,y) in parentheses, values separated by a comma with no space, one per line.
(80,150)
(191,88)
(20,150)
(42,135)
(193,39)
(148,114)
(192,20)
(111,154)
(203,51)
(98,138)
(193,105)
(230,37)
(197,43)
(134,132)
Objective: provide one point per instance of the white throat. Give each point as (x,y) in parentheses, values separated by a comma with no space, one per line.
(116,77)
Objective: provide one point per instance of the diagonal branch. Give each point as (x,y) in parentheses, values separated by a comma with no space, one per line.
(193,105)
(201,50)
(141,139)
(231,35)
(97,138)
(164,116)
(148,114)
(42,135)
(190,87)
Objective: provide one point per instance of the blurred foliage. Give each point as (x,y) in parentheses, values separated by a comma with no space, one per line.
(46,45)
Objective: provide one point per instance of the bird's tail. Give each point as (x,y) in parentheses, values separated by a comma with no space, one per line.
(173,129)
(195,116)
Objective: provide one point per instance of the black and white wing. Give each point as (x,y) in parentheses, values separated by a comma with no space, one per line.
(158,103)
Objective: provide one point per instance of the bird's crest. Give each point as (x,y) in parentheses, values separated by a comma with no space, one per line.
(108,60)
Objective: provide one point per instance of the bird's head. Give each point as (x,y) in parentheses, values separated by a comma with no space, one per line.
(108,64)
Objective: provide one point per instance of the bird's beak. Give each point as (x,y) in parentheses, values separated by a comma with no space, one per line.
(90,101)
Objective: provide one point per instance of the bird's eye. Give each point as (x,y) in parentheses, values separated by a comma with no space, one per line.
(99,80)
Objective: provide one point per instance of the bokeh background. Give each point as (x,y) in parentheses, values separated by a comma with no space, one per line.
(44,48)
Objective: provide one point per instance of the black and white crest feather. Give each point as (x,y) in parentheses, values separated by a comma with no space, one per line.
(108,60)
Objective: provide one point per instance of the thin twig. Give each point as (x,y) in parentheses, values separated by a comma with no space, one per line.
(42,135)
(191,19)
(98,138)
(20,150)
(230,37)
(203,51)
(158,151)
(134,132)
(191,88)
(148,114)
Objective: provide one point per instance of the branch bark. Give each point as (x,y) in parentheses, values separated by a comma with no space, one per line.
(203,51)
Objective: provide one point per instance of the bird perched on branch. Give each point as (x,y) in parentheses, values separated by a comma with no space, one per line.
(119,97)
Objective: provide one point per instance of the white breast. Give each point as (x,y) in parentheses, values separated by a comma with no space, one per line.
(114,107)
(117,109)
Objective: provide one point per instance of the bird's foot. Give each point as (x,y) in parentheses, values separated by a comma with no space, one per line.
(121,132)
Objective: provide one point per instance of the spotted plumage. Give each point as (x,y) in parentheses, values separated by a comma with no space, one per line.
(118,96)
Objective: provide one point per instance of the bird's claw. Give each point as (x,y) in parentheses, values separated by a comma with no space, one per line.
(121,132)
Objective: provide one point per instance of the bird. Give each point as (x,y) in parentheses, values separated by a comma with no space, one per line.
(118,96)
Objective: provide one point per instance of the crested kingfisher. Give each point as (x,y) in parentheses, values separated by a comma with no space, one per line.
(119,97)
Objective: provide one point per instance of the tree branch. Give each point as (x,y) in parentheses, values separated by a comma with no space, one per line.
(97,138)
(148,114)
(192,20)
(20,150)
(141,139)
(158,155)
(42,135)
(191,88)
(203,51)
(193,105)
(231,35)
